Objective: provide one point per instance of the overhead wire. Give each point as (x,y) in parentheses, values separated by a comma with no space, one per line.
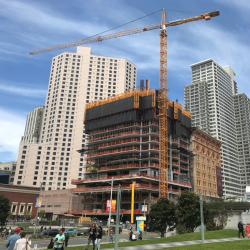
(98,34)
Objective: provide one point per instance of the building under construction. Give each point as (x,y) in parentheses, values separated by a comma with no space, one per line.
(124,144)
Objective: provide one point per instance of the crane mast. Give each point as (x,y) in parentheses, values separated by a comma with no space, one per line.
(163,92)
(163,109)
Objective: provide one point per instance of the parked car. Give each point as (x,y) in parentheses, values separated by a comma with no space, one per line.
(112,230)
(70,231)
(53,232)
(84,232)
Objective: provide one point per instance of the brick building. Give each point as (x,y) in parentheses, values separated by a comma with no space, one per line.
(206,164)
(21,199)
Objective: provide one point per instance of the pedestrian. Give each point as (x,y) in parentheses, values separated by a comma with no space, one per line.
(45,228)
(241,229)
(66,239)
(247,230)
(10,243)
(140,235)
(59,240)
(99,237)
(23,243)
(111,237)
(133,237)
(41,228)
(10,231)
(130,235)
(49,228)
(130,228)
(51,244)
(92,236)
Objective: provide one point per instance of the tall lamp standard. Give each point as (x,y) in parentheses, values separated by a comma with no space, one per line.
(109,221)
(41,186)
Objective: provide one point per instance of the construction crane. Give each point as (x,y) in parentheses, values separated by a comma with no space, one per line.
(163,91)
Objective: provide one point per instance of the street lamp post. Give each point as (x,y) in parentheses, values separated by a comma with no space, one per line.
(110,205)
(37,208)
(202,219)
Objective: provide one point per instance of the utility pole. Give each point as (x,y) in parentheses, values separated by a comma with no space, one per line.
(110,206)
(118,207)
(37,207)
(144,209)
(202,219)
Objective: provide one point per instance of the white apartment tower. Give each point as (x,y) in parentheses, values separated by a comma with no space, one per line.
(33,125)
(210,101)
(75,79)
(242,117)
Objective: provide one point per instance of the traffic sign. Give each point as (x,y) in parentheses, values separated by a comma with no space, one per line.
(140,225)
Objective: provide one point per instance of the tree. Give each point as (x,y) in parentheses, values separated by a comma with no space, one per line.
(41,214)
(220,211)
(162,216)
(10,214)
(4,209)
(189,212)
(26,214)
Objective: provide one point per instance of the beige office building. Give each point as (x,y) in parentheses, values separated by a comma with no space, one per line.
(75,79)
(205,164)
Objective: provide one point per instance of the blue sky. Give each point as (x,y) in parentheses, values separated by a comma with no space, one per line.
(26,25)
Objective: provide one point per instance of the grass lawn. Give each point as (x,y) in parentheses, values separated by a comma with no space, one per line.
(226,233)
(234,245)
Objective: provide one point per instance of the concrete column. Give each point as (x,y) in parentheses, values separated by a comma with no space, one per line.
(170,158)
(140,144)
(149,144)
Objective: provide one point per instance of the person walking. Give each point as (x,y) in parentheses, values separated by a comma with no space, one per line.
(130,235)
(140,235)
(99,237)
(247,230)
(10,243)
(22,243)
(111,237)
(241,229)
(41,228)
(59,240)
(10,231)
(92,236)
(51,244)
(66,239)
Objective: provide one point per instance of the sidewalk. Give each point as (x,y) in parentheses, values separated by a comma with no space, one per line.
(166,245)
(173,244)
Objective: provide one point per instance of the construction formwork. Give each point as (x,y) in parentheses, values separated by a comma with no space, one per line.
(123,143)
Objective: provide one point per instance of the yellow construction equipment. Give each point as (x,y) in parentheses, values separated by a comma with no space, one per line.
(163,91)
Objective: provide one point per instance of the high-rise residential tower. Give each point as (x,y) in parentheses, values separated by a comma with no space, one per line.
(33,125)
(75,79)
(242,117)
(210,101)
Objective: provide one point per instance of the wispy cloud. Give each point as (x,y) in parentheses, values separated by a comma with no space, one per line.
(11,130)
(22,91)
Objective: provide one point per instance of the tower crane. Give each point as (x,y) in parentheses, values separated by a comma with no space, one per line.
(163,91)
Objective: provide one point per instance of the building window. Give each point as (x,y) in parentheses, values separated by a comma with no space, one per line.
(21,208)
(29,208)
(13,210)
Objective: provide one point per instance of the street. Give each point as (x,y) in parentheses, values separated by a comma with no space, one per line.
(82,240)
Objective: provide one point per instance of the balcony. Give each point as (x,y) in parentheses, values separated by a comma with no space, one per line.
(122,166)
(107,188)
(116,177)
(129,177)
